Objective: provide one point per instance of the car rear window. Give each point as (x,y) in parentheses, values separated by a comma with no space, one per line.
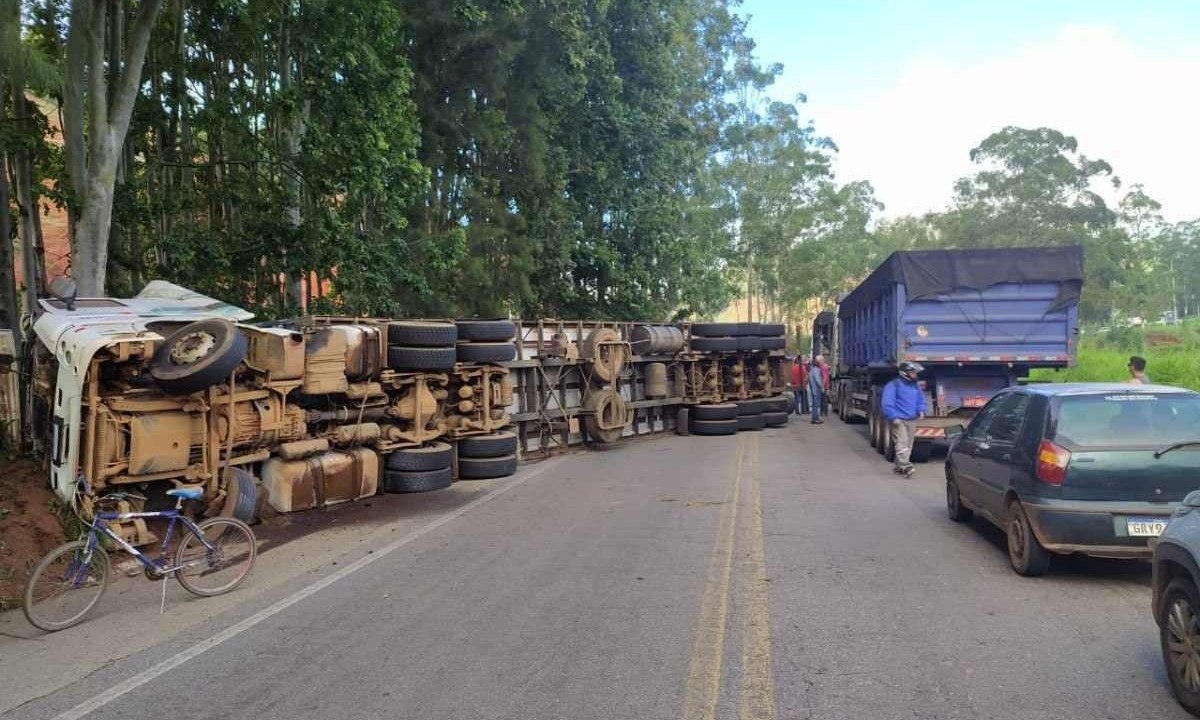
(1127,420)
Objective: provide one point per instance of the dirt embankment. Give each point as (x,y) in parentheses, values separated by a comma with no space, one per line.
(28,526)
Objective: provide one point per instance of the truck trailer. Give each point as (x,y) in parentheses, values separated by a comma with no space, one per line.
(977,320)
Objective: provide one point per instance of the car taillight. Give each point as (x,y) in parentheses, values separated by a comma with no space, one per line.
(1052,461)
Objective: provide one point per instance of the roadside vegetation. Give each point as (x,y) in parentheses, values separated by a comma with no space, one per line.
(1172,356)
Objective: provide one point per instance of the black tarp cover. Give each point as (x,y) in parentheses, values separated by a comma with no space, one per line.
(934,272)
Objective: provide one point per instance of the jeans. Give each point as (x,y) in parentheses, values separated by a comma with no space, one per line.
(817,399)
(801,401)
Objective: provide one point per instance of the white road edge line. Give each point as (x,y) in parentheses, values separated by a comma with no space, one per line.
(104,698)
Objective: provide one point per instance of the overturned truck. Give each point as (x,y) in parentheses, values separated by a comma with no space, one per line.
(172,388)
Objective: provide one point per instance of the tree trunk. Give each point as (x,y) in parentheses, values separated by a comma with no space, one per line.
(33,265)
(8,280)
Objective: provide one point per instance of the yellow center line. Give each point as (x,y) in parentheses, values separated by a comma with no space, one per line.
(758,683)
(704,673)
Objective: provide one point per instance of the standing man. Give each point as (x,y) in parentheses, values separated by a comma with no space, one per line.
(1137,370)
(799,384)
(903,405)
(818,381)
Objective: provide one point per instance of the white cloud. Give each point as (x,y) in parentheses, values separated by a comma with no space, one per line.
(1126,105)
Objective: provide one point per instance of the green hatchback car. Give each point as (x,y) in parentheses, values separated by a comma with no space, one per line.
(1089,468)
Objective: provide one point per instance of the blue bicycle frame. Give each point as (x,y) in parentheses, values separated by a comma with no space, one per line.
(100,523)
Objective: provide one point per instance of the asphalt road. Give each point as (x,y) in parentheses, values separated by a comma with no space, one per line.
(780,574)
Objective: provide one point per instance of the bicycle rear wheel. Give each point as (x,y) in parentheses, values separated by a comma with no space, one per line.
(66,585)
(218,570)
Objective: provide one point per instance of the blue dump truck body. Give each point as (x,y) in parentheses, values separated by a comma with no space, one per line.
(977,320)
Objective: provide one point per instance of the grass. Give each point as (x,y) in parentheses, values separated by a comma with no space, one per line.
(1172,357)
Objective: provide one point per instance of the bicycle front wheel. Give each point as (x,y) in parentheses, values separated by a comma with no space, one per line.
(66,585)
(223,563)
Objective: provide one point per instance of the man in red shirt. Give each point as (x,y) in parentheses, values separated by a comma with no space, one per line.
(800,384)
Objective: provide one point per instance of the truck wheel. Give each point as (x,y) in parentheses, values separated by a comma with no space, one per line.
(921,452)
(478,352)
(421,334)
(434,456)
(714,344)
(790,403)
(486,468)
(888,448)
(714,330)
(241,496)
(776,403)
(198,356)
(872,423)
(716,411)
(751,422)
(775,418)
(498,330)
(487,446)
(1025,554)
(773,343)
(714,427)
(749,343)
(753,406)
(683,424)
(400,481)
(772,329)
(422,358)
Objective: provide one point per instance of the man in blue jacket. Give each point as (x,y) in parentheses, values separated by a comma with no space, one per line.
(903,406)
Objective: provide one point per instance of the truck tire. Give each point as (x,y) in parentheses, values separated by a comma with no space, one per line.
(716,411)
(486,468)
(683,424)
(775,418)
(772,330)
(753,406)
(889,447)
(497,330)
(714,427)
(422,358)
(198,356)
(241,496)
(751,422)
(421,333)
(714,330)
(773,343)
(748,329)
(714,344)
(872,422)
(749,343)
(433,456)
(488,446)
(791,403)
(776,403)
(401,481)
(479,352)
(921,451)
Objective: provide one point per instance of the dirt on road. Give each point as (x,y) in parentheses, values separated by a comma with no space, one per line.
(28,526)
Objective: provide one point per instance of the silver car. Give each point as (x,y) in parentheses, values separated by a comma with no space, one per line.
(1177,601)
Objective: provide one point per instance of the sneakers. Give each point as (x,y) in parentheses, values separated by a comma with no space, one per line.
(905,471)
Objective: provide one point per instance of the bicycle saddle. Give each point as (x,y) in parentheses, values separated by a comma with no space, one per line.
(187,493)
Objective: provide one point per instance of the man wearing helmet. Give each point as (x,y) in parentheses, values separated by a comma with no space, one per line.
(903,405)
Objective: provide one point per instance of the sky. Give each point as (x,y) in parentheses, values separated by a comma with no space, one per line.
(906,89)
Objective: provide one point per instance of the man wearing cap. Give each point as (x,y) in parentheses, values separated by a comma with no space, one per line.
(903,405)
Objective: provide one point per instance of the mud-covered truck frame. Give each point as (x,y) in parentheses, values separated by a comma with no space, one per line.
(977,320)
(172,388)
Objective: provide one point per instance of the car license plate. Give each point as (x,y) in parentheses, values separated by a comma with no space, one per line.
(1146,527)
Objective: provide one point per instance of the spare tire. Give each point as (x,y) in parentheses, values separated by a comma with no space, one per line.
(421,358)
(775,419)
(434,456)
(714,427)
(714,329)
(421,333)
(714,344)
(198,356)
(497,330)
(716,411)
(401,481)
(479,352)
(486,468)
(488,446)
(751,422)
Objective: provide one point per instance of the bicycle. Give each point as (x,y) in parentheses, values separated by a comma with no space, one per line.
(75,574)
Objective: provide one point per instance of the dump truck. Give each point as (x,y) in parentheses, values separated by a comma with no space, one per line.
(170,388)
(977,320)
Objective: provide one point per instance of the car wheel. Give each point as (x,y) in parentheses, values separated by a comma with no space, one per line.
(1025,553)
(954,506)
(1180,638)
